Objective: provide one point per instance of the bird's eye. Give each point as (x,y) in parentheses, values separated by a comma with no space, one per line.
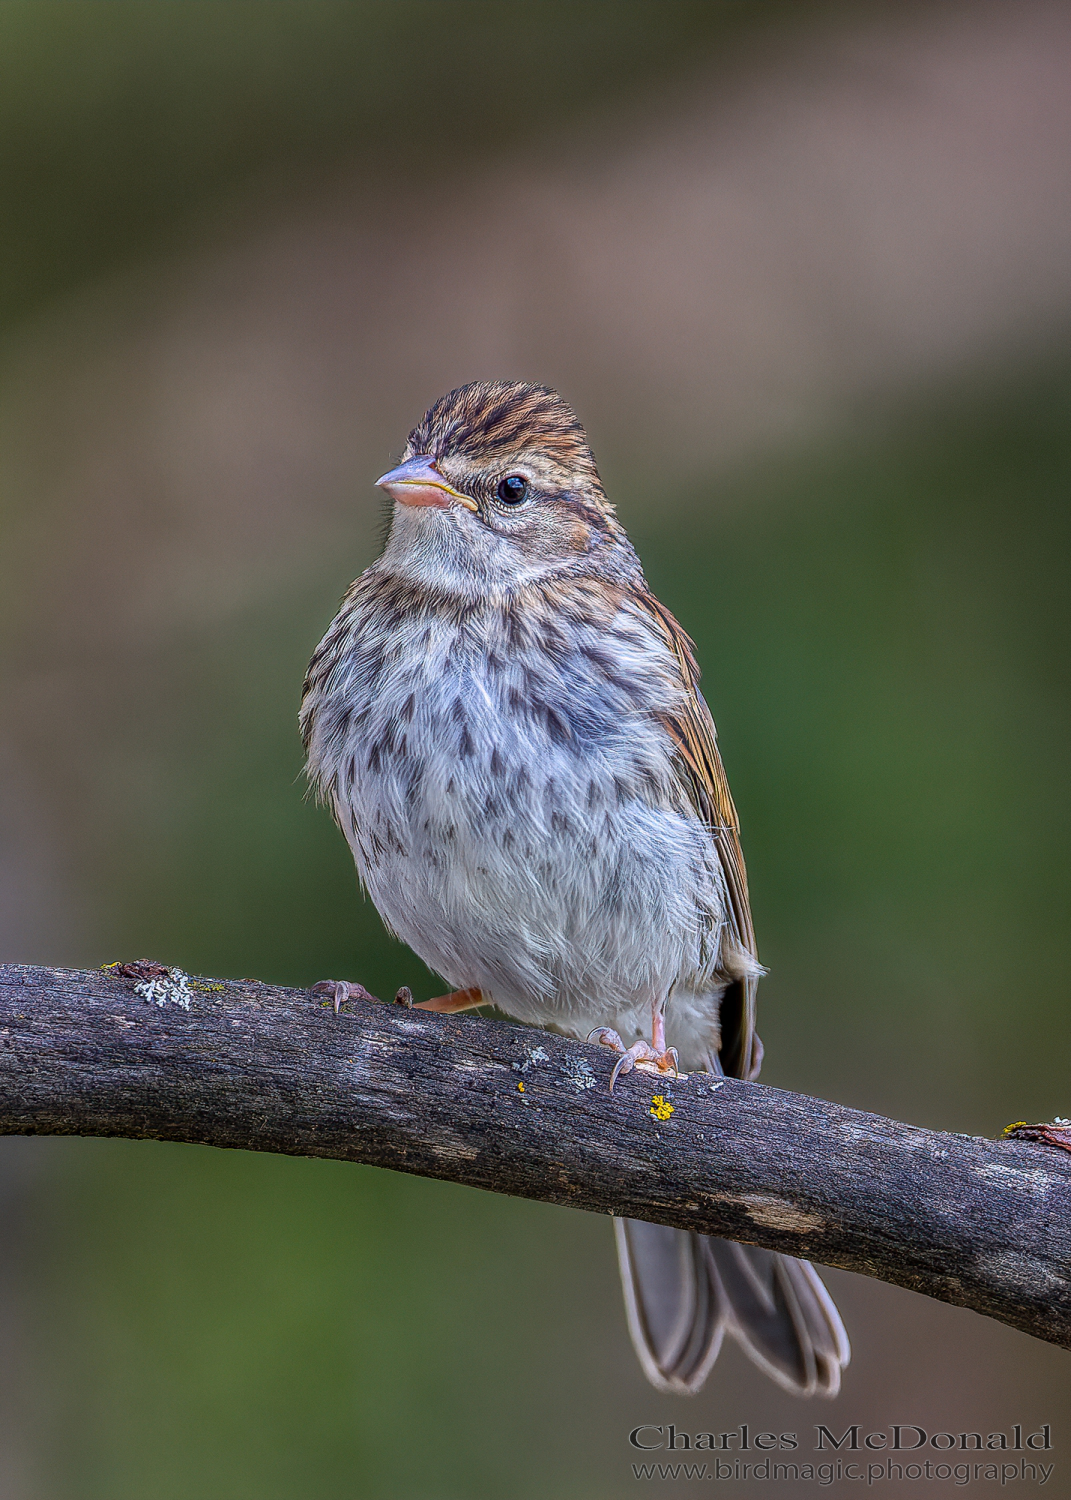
(512,489)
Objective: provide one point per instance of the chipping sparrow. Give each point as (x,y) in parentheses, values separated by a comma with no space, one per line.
(507,726)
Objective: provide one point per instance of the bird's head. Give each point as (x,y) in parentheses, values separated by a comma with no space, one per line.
(497,488)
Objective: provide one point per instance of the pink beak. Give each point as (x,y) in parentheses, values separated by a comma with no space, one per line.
(418,482)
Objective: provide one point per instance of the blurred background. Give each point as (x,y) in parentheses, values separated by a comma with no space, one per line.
(805,272)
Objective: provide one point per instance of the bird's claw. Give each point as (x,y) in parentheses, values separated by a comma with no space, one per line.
(639,1052)
(630,1056)
(341,990)
(606,1036)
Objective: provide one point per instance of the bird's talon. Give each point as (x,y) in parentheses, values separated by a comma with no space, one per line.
(624,1064)
(638,1052)
(606,1036)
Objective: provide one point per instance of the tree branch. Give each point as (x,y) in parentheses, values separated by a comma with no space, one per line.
(983,1224)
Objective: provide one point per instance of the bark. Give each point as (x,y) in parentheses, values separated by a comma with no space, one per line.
(980,1223)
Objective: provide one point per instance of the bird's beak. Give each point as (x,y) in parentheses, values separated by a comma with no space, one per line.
(418,482)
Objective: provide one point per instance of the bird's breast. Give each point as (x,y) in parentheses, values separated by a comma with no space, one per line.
(440,728)
(513,806)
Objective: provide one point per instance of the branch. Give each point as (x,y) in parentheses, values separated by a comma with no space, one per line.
(983,1224)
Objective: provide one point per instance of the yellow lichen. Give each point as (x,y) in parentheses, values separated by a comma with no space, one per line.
(660,1108)
(520,1088)
(1015,1125)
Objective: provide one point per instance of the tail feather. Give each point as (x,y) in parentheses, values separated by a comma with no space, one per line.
(674,1313)
(780,1313)
(685,1291)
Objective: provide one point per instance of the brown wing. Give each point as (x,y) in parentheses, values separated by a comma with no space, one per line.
(703,774)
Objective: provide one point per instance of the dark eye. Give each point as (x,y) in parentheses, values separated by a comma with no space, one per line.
(512,489)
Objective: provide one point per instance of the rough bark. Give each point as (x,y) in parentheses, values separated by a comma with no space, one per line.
(980,1223)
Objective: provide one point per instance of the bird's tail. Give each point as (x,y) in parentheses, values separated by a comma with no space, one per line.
(684,1292)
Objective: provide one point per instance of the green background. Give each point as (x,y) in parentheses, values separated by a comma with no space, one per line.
(882,619)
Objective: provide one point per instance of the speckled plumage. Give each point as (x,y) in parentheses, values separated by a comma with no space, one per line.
(507,727)
(513,806)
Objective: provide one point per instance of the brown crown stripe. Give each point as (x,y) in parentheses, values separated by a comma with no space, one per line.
(489,416)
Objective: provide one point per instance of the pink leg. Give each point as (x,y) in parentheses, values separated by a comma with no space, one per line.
(665,1057)
(448,1005)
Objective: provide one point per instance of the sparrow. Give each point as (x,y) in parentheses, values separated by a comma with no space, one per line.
(507,726)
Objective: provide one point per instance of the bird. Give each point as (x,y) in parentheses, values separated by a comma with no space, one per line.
(507,726)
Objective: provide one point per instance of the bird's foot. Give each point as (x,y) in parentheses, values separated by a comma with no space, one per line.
(341,990)
(640,1052)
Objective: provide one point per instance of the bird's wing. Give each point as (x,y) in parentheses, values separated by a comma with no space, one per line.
(703,776)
